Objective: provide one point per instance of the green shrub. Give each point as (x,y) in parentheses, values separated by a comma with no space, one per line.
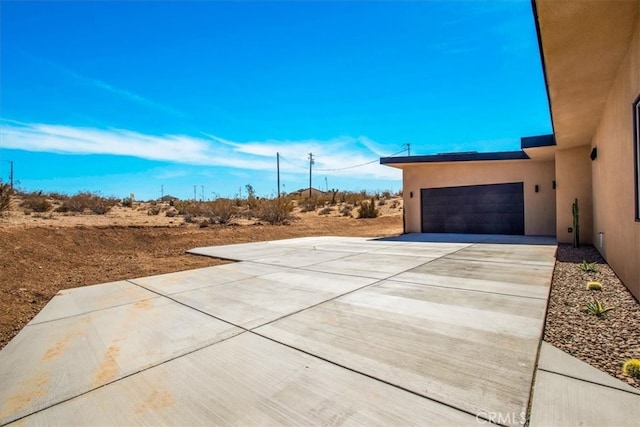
(597,308)
(127,202)
(632,368)
(368,210)
(5,197)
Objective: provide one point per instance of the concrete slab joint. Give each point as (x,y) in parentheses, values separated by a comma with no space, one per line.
(412,330)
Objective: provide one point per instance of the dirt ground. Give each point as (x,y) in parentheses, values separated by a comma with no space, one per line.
(41,254)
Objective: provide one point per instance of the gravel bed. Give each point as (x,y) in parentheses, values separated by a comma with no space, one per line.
(604,342)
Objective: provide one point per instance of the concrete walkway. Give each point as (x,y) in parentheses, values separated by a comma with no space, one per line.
(418,330)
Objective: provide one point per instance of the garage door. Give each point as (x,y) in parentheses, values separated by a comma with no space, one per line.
(474,209)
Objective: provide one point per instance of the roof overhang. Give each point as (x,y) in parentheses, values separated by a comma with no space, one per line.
(582,44)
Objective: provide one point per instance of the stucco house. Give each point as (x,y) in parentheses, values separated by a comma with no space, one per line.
(590,52)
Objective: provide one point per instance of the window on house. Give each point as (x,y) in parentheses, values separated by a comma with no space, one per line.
(636,144)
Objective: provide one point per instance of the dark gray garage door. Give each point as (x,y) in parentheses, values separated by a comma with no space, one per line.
(474,209)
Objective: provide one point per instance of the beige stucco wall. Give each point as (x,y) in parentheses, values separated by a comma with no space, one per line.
(573,178)
(540,208)
(613,174)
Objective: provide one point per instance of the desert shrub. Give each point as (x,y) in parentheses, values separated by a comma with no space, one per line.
(386,194)
(325,211)
(84,200)
(354,198)
(5,197)
(171,212)
(189,219)
(193,208)
(382,201)
(309,204)
(60,197)
(632,368)
(153,210)
(127,202)
(35,202)
(394,204)
(368,210)
(275,211)
(222,210)
(346,211)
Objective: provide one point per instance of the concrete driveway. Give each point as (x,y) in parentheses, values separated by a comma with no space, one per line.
(426,330)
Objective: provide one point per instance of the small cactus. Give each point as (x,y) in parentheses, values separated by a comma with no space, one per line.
(632,368)
(576,224)
(594,286)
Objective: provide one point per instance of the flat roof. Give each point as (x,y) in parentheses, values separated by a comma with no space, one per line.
(456,157)
(527,142)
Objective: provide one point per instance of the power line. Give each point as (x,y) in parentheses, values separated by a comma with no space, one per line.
(292,164)
(346,167)
(360,165)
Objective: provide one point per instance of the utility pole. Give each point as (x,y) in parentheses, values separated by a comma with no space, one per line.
(326,184)
(11,173)
(194,193)
(408,149)
(310,165)
(161,193)
(202,193)
(278,166)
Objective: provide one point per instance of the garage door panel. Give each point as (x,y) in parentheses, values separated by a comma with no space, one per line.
(477,209)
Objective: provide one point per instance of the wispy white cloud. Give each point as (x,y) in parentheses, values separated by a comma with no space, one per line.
(100,84)
(334,156)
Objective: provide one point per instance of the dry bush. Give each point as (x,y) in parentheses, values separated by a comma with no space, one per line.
(193,208)
(222,211)
(309,204)
(354,198)
(346,211)
(275,211)
(325,211)
(87,201)
(5,197)
(368,210)
(58,197)
(35,202)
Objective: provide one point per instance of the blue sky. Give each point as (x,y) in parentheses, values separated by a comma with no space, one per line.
(122,97)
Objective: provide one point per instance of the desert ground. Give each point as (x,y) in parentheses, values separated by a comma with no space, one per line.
(42,253)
